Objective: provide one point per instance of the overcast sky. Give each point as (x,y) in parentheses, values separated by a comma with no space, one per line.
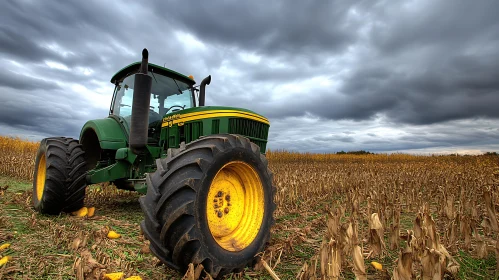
(409,76)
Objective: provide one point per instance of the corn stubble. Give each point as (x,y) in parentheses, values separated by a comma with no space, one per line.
(337,214)
(417,212)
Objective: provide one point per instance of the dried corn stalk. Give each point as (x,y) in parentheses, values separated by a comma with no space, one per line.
(358,264)
(308,272)
(376,235)
(403,270)
(451,235)
(330,260)
(333,222)
(433,265)
(347,239)
(466,231)
(452,266)
(490,210)
(432,238)
(303,274)
(395,229)
(449,207)
(189,274)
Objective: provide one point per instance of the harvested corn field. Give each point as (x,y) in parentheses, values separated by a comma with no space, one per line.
(338,217)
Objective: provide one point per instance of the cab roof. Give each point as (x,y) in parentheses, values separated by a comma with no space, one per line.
(156,69)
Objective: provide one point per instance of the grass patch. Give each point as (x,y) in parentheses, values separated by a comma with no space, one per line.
(15,185)
(472,268)
(288,217)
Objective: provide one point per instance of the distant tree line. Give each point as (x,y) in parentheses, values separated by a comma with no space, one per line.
(361,152)
(491,154)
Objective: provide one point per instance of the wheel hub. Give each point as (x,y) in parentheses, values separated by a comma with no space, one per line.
(221,203)
(235,206)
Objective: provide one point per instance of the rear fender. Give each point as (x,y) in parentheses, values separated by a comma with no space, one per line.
(102,138)
(109,132)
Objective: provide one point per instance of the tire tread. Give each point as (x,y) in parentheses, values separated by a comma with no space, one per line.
(169,203)
(65,176)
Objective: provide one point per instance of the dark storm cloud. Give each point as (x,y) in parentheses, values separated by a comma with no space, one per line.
(436,62)
(17,45)
(45,24)
(419,63)
(13,80)
(46,48)
(446,90)
(422,67)
(407,27)
(98,35)
(339,138)
(275,27)
(44,112)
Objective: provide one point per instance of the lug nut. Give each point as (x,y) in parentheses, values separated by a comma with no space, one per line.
(226,210)
(227,197)
(220,214)
(220,194)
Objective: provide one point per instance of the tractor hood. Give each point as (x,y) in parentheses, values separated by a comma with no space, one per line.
(206,112)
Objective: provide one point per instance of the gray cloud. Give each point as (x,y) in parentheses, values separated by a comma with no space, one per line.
(478,135)
(331,76)
(335,138)
(9,79)
(45,113)
(275,28)
(415,66)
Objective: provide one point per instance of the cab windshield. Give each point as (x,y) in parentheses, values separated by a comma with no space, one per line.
(167,95)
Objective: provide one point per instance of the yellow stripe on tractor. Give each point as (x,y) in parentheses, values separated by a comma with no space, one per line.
(182,118)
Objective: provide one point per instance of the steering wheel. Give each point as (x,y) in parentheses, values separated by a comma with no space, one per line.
(181,108)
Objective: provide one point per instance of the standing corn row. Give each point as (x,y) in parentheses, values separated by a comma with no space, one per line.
(17,157)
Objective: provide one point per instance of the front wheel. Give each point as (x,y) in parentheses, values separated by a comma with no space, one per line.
(211,204)
(59,177)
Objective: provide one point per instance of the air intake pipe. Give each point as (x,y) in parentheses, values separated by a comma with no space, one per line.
(140,107)
(206,81)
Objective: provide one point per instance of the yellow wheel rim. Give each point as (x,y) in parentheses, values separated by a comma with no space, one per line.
(40,177)
(235,206)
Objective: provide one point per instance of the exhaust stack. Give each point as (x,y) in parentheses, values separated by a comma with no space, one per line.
(206,81)
(140,107)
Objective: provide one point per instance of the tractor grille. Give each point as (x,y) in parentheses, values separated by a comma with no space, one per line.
(215,126)
(257,132)
(192,131)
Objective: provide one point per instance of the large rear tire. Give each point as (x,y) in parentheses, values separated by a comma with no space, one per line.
(211,203)
(59,177)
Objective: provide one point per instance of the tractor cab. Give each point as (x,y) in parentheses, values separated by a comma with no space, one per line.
(170,92)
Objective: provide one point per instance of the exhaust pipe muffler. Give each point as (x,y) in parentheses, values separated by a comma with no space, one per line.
(140,107)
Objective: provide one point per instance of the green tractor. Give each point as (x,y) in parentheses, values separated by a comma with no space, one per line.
(209,197)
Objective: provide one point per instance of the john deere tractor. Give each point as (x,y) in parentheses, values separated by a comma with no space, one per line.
(209,197)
